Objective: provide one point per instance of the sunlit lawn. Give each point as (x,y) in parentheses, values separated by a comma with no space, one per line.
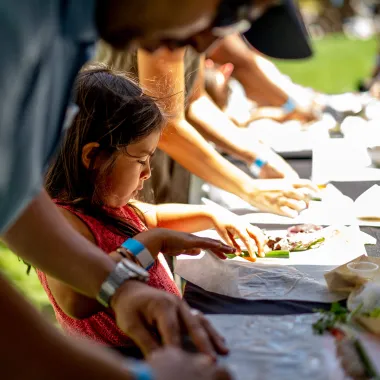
(337,67)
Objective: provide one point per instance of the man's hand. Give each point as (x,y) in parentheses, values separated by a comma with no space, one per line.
(152,317)
(174,364)
(281,196)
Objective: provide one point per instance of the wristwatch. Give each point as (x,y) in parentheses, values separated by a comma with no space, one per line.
(125,270)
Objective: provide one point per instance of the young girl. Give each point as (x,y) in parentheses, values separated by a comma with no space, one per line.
(100,169)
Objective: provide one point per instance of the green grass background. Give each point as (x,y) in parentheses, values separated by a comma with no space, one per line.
(337,66)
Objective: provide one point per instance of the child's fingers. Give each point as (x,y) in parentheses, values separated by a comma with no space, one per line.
(259,237)
(226,236)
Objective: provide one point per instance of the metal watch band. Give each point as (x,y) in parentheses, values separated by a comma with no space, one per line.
(125,270)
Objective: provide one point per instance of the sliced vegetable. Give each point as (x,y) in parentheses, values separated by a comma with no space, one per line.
(277,255)
(271,255)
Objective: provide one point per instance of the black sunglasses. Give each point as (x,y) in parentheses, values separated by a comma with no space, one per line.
(236,16)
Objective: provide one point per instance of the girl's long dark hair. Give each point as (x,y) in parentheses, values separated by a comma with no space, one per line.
(114,112)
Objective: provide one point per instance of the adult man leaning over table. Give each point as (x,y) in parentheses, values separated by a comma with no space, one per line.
(44,44)
(164,75)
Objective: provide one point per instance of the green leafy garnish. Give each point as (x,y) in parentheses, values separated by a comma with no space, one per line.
(302,247)
(329,318)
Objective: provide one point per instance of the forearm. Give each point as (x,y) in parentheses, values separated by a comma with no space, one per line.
(43,238)
(249,70)
(181,217)
(186,146)
(260,88)
(31,348)
(215,126)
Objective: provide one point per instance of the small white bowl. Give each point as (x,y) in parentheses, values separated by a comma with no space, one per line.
(363,269)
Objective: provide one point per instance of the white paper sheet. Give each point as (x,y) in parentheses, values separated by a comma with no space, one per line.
(342,160)
(299,278)
(277,347)
(335,208)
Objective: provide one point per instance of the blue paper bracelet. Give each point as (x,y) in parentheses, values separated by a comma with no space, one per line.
(257,165)
(140,252)
(139,370)
(289,106)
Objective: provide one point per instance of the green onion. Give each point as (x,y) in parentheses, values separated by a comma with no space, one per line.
(278,254)
(268,255)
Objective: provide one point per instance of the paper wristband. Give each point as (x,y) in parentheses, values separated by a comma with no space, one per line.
(140,252)
(256,167)
(139,370)
(289,106)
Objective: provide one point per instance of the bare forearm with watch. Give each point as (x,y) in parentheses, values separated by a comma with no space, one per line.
(44,238)
(54,356)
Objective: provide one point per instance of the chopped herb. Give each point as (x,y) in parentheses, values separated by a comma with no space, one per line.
(328,320)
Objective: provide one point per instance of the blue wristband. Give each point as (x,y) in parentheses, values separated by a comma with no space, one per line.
(256,167)
(140,370)
(140,252)
(289,106)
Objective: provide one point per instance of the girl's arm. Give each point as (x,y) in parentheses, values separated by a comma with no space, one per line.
(194,218)
(179,217)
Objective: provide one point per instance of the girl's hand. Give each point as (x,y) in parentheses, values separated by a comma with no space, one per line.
(230,226)
(176,243)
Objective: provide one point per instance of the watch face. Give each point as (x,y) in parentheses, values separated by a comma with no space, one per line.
(137,270)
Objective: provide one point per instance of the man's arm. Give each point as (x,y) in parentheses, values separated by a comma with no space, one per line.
(31,348)
(44,239)
(262,81)
(157,74)
(258,86)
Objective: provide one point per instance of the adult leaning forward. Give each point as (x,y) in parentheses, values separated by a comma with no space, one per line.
(44,44)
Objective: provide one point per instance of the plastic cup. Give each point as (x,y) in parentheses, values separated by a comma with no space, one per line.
(363,269)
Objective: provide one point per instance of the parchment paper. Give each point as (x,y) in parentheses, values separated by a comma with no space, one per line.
(277,347)
(335,208)
(299,278)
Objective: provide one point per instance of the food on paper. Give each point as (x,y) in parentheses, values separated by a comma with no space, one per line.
(297,238)
(354,357)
